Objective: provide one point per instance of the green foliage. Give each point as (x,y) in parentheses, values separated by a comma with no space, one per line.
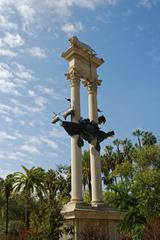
(133,223)
(131,180)
(86,197)
(86,178)
(109,197)
(132,175)
(35,199)
(15,227)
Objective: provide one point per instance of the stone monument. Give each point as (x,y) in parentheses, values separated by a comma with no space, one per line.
(83,64)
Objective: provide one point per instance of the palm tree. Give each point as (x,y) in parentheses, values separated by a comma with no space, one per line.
(8,188)
(108,164)
(117,143)
(128,150)
(51,185)
(148,139)
(64,181)
(56,188)
(2,200)
(86,173)
(28,183)
(138,133)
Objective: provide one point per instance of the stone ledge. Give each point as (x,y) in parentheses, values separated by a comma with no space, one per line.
(85,211)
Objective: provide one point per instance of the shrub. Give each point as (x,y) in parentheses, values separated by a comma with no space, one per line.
(152,230)
(15,227)
(93,233)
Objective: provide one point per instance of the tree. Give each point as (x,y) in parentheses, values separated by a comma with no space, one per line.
(108,165)
(148,139)
(8,188)
(64,182)
(143,199)
(138,133)
(45,218)
(2,199)
(135,170)
(86,173)
(28,183)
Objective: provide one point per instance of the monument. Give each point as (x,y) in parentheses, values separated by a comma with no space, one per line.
(83,63)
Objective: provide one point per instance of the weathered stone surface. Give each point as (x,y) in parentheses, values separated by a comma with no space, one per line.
(82,217)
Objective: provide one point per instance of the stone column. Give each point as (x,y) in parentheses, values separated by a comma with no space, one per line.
(95,163)
(76,154)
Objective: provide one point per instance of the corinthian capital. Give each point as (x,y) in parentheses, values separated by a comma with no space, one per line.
(73,73)
(92,87)
(88,83)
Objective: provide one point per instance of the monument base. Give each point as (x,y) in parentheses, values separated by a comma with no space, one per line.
(85,221)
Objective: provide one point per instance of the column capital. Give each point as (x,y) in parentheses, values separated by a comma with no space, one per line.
(92,86)
(88,83)
(73,75)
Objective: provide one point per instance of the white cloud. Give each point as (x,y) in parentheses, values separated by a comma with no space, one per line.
(50,143)
(5,24)
(26,108)
(45,90)
(7,136)
(22,72)
(12,109)
(31,93)
(49,92)
(29,149)
(70,28)
(147,3)
(7,119)
(10,155)
(34,140)
(155,54)
(40,101)
(142,28)
(12,40)
(91,4)
(58,133)
(5,71)
(5,109)
(6,80)
(35,104)
(4,172)
(27,11)
(7,52)
(34,13)
(105,18)
(37,52)
(34,144)
(8,87)
(13,78)
(27,123)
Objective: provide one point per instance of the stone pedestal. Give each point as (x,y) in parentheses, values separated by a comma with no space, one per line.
(85,219)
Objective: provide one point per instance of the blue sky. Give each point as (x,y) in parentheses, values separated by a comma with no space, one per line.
(34,33)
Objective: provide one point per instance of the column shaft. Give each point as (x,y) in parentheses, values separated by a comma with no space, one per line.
(76,154)
(94,154)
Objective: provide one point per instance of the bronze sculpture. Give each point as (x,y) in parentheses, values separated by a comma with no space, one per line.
(86,129)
